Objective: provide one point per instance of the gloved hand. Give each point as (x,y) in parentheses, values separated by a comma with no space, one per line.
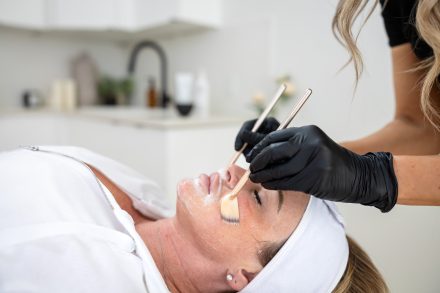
(252,138)
(306,159)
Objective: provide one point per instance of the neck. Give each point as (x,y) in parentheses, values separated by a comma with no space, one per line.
(183,268)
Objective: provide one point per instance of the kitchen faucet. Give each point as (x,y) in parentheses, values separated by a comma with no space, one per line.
(163,65)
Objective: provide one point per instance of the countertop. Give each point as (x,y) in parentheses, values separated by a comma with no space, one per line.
(138,117)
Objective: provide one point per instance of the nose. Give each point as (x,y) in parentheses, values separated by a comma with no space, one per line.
(234,174)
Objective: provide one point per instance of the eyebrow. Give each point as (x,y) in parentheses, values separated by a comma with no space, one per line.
(280,200)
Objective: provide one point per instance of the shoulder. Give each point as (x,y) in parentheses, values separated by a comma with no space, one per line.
(397,8)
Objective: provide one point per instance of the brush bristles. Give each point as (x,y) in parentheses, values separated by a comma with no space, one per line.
(229,209)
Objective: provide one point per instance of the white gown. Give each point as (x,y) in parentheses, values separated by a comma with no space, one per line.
(61,230)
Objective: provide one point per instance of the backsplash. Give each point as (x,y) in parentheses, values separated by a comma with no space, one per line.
(243,58)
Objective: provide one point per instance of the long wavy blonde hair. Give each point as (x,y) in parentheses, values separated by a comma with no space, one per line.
(428,27)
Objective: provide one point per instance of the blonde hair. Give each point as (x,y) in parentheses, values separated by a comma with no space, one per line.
(428,26)
(360,276)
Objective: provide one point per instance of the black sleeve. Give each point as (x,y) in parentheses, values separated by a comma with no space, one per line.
(399,17)
(393,13)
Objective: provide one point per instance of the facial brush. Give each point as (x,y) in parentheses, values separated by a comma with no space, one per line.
(229,204)
(260,120)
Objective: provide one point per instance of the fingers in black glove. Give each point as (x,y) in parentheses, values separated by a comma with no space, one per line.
(306,159)
(276,146)
(245,135)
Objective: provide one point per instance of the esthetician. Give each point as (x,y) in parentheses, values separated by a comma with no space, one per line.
(397,164)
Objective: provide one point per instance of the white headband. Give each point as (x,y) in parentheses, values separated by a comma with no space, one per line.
(314,257)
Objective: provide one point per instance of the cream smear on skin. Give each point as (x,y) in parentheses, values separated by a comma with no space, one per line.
(211,198)
(208,199)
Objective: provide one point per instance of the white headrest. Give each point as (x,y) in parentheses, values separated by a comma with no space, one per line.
(314,257)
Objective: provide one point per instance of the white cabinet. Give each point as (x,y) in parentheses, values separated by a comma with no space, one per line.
(28,129)
(163,155)
(153,13)
(23,13)
(90,15)
(166,153)
(114,15)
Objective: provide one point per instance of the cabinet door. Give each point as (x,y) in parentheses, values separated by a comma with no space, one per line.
(150,13)
(81,14)
(123,15)
(23,13)
(140,148)
(203,12)
(154,13)
(19,130)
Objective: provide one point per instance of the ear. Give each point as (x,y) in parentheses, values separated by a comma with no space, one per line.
(240,279)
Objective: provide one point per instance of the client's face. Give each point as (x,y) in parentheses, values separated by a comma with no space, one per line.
(266,216)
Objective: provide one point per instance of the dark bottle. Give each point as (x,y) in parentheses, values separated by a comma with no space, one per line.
(151,93)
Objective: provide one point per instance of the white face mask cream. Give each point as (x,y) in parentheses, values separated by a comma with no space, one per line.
(214,195)
(223,174)
(209,199)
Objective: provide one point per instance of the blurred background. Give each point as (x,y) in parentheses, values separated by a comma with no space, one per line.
(164,85)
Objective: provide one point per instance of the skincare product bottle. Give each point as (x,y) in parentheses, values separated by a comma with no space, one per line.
(151,93)
(184,82)
(201,94)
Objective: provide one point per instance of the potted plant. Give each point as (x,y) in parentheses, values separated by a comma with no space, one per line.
(114,91)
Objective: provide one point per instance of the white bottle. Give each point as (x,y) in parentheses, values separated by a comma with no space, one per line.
(184,87)
(201,94)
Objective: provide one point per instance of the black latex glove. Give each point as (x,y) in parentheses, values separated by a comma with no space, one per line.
(306,159)
(252,138)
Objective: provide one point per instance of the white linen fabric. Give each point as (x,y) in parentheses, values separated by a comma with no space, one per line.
(61,230)
(314,257)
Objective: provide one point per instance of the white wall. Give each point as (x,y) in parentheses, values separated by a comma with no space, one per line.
(32,60)
(261,40)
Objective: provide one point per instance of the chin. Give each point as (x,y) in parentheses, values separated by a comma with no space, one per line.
(184,188)
(192,206)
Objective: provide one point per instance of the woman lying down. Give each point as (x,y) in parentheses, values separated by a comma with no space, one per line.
(75,221)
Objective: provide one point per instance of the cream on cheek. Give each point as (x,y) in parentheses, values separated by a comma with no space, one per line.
(183,192)
(195,195)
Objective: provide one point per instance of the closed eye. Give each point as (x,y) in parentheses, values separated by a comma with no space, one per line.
(257,197)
